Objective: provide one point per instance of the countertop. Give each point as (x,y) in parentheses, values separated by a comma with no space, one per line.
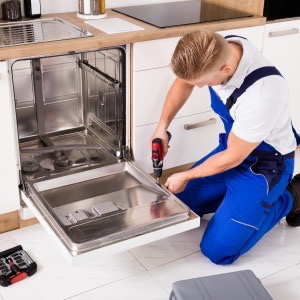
(101,39)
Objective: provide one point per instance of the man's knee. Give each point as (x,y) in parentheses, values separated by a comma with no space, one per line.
(218,254)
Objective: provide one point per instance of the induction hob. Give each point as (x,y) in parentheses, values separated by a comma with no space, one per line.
(180,13)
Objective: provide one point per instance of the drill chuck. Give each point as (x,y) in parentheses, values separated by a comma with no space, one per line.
(157,172)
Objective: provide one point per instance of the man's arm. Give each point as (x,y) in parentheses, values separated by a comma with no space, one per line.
(237,151)
(176,97)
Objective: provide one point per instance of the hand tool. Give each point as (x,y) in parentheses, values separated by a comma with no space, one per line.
(158,156)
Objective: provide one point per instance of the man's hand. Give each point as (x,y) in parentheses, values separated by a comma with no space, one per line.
(177,182)
(162,134)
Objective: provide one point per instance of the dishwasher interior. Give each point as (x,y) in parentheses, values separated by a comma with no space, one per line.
(68,105)
(75,162)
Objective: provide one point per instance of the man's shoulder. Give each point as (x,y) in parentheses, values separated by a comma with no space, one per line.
(270,87)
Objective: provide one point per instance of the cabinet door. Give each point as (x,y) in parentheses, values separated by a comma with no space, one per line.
(157,53)
(192,138)
(281,47)
(9,182)
(150,89)
(254,35)
(153,54)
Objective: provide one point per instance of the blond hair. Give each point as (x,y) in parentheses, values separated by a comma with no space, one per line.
(197,53)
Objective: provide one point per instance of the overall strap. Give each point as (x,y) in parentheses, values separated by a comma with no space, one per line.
(249,80)
(234,36)
(297,136)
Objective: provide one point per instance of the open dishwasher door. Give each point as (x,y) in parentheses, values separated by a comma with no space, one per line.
(106,210)
(76,174)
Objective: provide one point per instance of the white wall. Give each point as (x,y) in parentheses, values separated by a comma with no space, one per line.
(52,6)
(59,6)
(56,6)
(119,3)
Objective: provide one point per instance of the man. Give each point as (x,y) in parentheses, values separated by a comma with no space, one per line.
(245,181)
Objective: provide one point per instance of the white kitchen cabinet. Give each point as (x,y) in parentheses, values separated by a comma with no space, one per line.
(153,54)
(150,90)
(192,138)
(282,48)
(151,80)
(254,35)
(9,182)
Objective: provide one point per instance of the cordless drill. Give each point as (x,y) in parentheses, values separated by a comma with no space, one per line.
(158,156)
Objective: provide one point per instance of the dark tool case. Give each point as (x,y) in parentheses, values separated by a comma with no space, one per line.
(15,265)
(241,285)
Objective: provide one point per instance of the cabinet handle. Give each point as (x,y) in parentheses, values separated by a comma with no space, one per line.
(284,32)
(200,124)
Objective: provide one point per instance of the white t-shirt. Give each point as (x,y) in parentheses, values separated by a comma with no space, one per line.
(262,112)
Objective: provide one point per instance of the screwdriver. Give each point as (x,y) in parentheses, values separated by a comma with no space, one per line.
(158,156)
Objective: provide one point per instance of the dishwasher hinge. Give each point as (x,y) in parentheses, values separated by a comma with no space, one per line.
(22,182)
(126,152)
(25,188)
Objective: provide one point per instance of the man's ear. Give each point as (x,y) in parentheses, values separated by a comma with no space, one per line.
(225,69)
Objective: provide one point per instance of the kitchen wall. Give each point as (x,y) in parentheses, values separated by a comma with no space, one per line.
(71,5)
(254,6)
(58,6)
(54,6)
(118,3)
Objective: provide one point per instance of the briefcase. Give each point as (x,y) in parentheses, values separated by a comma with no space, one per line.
(241,285)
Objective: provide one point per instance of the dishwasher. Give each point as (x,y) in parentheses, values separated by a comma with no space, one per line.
(76,173)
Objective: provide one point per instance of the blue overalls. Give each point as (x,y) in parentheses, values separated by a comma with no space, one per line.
(247,200)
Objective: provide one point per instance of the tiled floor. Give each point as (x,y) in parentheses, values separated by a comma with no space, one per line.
(147,272)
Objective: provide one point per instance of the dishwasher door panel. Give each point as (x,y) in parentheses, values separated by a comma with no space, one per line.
(106,210)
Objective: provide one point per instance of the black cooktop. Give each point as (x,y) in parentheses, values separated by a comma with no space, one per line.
(180,13)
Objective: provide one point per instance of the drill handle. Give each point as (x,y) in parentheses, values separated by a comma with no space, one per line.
(157,148)
(159,141)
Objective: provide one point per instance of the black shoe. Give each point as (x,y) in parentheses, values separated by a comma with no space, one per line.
(293,218)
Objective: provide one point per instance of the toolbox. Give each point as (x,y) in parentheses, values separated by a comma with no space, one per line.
(230,286)
(15,265)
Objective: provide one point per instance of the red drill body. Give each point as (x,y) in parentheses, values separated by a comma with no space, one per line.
(158,156)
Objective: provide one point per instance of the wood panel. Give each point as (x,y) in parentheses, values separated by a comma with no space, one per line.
(167,173)
(29,222)
(256,7)
(9,221)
